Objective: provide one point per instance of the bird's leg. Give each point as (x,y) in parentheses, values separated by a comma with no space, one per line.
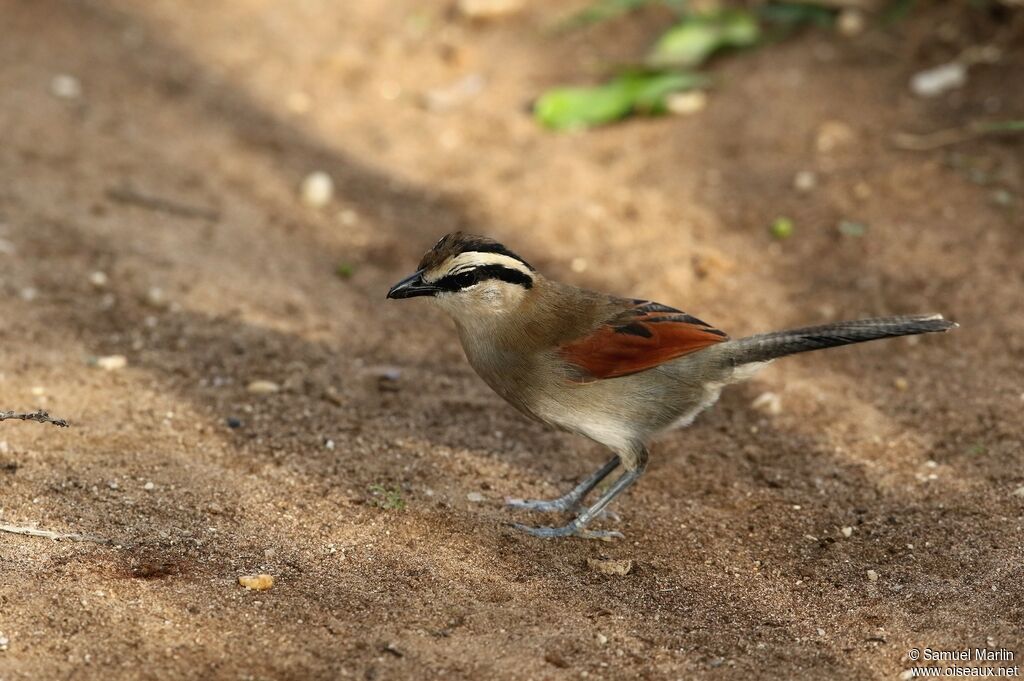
(572,500)
(578,526)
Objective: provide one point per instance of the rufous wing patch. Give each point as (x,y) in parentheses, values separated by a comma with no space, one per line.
(640,338)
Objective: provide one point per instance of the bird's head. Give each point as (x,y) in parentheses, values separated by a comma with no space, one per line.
(470,276)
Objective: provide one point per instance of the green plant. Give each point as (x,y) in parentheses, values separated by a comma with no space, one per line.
(388,498)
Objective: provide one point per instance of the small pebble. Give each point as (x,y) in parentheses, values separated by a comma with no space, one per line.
(317,189)
(767,402)
(156,297)
(832,135)
(901,383)
(489,9)
(1019,492)
(475,497)
(149,487)
(820,631)
(98,279)
(4,642)
(851,22)
(234,422)
(805,181)
(939,80)
(687,103)
(610,567)
(847,531)
(112,362)
(263,387)
(872,575)
(329,444)
(256,582)
(65,86)
(28,294)
(601,639)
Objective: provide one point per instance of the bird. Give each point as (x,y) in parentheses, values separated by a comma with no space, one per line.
(618,371)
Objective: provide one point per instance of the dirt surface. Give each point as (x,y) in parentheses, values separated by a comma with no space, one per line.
(741,567)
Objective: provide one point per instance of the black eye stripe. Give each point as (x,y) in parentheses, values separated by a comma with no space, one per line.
(467,278)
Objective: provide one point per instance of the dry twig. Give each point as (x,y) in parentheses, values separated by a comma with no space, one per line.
(33,532)
(40,416)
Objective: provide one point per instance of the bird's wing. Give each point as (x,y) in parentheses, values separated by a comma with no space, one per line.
(642,336)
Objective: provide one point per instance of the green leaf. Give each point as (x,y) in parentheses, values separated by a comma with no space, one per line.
(344,270)
(570,108)
(690,42)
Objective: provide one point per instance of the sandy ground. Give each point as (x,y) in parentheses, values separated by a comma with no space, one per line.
(741,567)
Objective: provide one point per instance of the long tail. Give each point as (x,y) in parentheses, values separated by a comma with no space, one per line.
(766,346)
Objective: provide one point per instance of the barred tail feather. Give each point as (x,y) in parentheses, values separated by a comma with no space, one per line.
(768,346)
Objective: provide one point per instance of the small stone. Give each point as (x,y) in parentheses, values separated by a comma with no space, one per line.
(901,383)
(4,642)
(329,444)
(907,674)
(98,279)
(851,22)
(608,566)
(65,86)
(317,189)
(475,497)
(256,582)
(149,487)
(847,531)
(263,387)
(28,294)
(112,362)
(686,103)
(489,9)
(601,639)
(156,297)
(832,136)
(805,181)
(1019,492)
(233,422)
(939,80)
(768,402)
(872,575)
(819,631)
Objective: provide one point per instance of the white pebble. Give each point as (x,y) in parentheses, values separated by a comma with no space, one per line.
(28,294)
(475,497)
(686,103)
(805,181)
(939,80)
(112,362)
(263,387)
(768,402)
(851,22)
(1019,492)
(317,189)
(156,297)
(98,279)
(602,639)
(872,575)
(847,531)
(149,487)
(4,642)
(329,444)
(65,86)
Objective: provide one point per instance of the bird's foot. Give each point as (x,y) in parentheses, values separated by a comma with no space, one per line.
(560,505)
(573,529)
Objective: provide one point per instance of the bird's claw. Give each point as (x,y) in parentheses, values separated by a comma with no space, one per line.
(570,530)
(557,506)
